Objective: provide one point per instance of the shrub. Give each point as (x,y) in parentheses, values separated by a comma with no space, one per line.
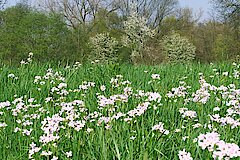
(103,48)
(178,49)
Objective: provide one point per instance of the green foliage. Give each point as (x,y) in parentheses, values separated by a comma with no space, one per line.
(224,45)
(103,48)
(221,47)
(106,21)
(178,49)
(25,30)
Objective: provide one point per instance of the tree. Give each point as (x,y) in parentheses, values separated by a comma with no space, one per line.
(228,10)
(137,33)
(2,4)
(83,11)
(25,30)
(106,22)
(77,12)
(104,48)
(153,10)
(178,49)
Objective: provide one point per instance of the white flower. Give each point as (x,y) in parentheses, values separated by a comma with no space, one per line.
(89,130)
(45,153)
(183,155)
(132,137)
(22,62)
(155,76)
(54,158)
(216,109)
(69,154)
(103,88)
(11,75)
(159,127)
(177,130)
(30,54)
(3,125)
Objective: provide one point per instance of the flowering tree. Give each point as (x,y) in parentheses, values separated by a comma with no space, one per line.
(178,49)
(137,33)
(104,48)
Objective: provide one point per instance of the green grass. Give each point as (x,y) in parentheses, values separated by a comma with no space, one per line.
(115,143)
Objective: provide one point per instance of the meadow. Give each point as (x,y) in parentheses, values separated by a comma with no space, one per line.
(124,112)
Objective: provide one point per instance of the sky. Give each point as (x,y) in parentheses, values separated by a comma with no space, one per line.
(196,5)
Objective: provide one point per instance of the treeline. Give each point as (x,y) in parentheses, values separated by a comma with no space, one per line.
(146,32)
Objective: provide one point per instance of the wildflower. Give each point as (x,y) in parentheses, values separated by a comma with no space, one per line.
(11,75)
(102,88)
(30,54)
(155,76)
(177,130)
(132,138)
(54,158)
(208,140)
(69,154)
(225,73)
(197,125)
(185,137)
(22,62)
(216,109)
(27,132)
(89,130)
(159,127)
(45,153)
(187,113)
(33,149)
(127,119)
(2,125)
(183,155)
(108,127)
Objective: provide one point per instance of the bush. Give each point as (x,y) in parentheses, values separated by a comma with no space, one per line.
(178,49)
(103,48)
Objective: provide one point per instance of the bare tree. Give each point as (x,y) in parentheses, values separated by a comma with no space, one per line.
(77,12)
(2,4)
(228,11)
(187,15)
(83,11)
(154,10)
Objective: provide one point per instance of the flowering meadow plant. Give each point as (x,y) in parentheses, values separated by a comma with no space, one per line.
(93,111)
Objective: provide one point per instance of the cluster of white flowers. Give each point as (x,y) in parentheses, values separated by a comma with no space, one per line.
(137,32)
(183,155)
(188,113)
(225,120)
(177,92)
(11,75)
(202,95)
(104,48)
(33,149)
(178,49)
(29,59)
(159,127)
(220,149)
